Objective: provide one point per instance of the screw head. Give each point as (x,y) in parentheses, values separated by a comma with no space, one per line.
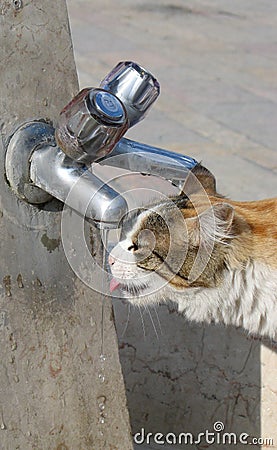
(108,105)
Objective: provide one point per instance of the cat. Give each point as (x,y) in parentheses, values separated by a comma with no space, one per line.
(216,258)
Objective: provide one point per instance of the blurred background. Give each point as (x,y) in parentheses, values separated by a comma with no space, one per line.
(217,65)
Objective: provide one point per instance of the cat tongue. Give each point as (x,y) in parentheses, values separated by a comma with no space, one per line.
(114,284)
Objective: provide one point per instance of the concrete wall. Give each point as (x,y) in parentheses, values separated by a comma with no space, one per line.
(51,396)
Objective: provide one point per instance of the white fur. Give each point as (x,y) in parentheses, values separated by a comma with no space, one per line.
(246,297)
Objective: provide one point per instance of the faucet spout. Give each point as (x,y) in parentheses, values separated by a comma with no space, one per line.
(77,187)
(146,159)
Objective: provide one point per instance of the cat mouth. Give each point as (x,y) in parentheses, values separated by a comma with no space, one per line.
(128,288)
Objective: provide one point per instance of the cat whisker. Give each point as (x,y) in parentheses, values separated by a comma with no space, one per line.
(127,321)
(142,322)
(158,320)
(152,321)
(133,289)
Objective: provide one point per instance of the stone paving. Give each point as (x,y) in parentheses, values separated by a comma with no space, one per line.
(217,65)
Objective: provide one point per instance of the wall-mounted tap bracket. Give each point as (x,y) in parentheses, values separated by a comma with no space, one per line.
(28,138)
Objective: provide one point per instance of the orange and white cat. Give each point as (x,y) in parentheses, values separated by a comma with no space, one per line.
(216,258)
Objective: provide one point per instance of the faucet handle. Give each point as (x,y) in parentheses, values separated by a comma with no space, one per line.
(90,125)
(134,86)
(96,119)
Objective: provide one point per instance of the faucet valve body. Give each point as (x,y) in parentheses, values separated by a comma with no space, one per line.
(134,86)
(95,120)
(90,125)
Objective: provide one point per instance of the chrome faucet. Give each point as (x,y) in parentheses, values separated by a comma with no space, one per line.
(91,129)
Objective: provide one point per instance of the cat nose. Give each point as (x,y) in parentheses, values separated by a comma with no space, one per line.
(111,260)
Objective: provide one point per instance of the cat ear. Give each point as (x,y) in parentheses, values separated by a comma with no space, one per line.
(214,225)
(199,178)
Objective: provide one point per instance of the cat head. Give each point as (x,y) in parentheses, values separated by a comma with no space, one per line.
(178,244)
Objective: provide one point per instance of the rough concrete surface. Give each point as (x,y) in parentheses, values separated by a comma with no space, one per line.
(217,65)
(51,395)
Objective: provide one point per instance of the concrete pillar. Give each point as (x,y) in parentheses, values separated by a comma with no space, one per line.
(268,395)
(50,323)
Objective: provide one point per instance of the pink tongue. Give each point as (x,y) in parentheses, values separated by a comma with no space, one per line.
(114,284)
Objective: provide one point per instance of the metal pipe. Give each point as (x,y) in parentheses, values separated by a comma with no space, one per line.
(138,157)
(73,184)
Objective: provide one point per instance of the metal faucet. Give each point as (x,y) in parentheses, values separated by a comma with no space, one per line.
(90,129)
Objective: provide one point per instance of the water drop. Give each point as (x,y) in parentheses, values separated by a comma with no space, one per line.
(101,377)
(17,4)
(103,357)
(101,400)
(102,419)
(16,379)
(13,346)
(101,406)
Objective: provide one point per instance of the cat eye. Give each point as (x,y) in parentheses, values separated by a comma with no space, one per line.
(133,247)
